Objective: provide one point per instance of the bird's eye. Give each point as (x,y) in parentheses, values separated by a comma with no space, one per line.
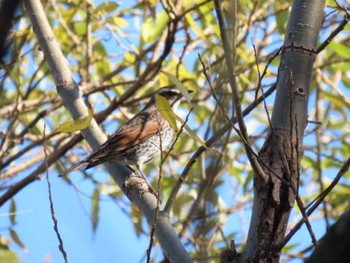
(171,94)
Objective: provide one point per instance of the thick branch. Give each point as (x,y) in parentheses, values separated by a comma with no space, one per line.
(334,246)
(70,93)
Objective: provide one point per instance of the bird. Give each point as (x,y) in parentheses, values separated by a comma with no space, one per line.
(139,140)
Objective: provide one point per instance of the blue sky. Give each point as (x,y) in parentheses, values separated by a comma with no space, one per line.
(115,239)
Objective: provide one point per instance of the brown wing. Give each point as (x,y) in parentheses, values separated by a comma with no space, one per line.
(129,136)
(132,133)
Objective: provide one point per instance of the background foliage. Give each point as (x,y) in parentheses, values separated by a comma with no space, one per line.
(116,51)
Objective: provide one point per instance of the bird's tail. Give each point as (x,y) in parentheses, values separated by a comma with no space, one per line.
(74,167)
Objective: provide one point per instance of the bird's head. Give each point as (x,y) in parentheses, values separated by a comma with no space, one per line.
(172,94)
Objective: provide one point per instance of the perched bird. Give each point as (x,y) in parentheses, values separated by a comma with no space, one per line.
(139,140)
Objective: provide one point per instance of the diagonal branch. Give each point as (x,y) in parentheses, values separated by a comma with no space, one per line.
(70,93)
(236,101)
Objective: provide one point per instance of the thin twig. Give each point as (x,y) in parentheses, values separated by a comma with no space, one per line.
(248,148)
(211,141)
(261,76)
(36,175)
(175,190)
(336,31)
(156,210)
(53,216)
(318,154)
(259,172)
(178,134)
(306,219)
(315,203)
(298,199)
(73,37)
(184,49)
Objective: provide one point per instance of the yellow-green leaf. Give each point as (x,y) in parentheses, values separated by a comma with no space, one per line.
(151,30)
(9,256)
(179,85)
(120,22)
(194,27)
(76,125)
(340,49)
(106,7)
(17,240)
(154,2)
(136,218)
(192,134)
(166,110)
(95,208)
(168,114)
(340,102)
(331,3)
(116,21)
(13,211)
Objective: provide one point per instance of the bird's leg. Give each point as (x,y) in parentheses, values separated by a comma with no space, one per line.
(148,183)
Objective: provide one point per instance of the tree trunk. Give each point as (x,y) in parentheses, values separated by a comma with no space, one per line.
(281,154)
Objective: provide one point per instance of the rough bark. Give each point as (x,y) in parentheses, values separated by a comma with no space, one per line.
(281,154)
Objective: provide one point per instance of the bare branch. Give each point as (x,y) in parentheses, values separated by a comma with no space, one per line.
(236,101)
(53,216)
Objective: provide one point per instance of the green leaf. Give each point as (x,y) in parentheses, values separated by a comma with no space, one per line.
(8,256)
(178,85)
(192,134)
(76,125)
(281,21)
(331,3)
(136,218)
(193,26)
(17,240)
(182,203)
(80,28)
(100,50)
(346,81)
(106,7)
(116,21)
(340,49)
(338,101)
(150,30)
(95,208)
(13,211)
(166,110)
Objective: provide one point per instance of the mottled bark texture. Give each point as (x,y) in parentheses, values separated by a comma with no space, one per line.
(282,151)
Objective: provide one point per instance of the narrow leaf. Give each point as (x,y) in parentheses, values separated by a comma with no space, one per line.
(154,2)
(179,85)
(116,21)
(120,22)
(13,211)
(340,49)
(76,125)
(152,30)
(136,218)
(106,7)
(95,208)
(17,240)
(166,110)
(194,27)
(188,129)
(192,134)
